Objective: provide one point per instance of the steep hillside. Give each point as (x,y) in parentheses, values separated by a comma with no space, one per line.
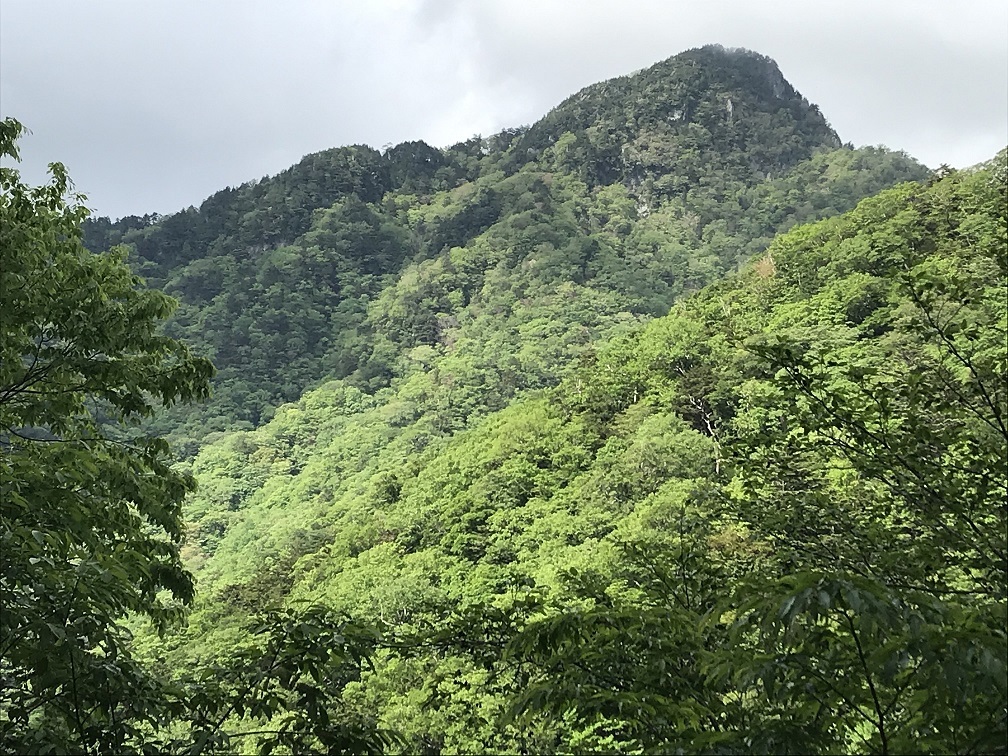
(509,254)
(667,424)
(812,451)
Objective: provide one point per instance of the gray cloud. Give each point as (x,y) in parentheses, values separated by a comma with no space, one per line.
(155,105)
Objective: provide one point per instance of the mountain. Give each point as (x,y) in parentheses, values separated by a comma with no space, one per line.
(665,424)
(515,442)
(733,528)
(628,194)
(705,112)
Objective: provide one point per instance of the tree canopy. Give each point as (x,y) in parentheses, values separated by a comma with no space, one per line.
(667,424)
(91,521)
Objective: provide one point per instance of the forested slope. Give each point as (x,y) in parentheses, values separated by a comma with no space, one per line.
(507,254)
(666,424)
(773,519)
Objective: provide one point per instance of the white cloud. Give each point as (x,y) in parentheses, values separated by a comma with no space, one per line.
(155,105)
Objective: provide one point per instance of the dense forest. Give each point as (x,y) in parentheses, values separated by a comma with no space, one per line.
(669,423)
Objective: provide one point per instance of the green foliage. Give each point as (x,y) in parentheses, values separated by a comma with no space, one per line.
(772,520)
(282,690)
(535,510)
(882,480)
(855,381)
(504,255)
(91,525)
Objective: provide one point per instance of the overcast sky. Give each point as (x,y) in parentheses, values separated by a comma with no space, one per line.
(154,105)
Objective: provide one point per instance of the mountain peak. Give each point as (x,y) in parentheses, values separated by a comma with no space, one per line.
(745,68)
(709,108)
